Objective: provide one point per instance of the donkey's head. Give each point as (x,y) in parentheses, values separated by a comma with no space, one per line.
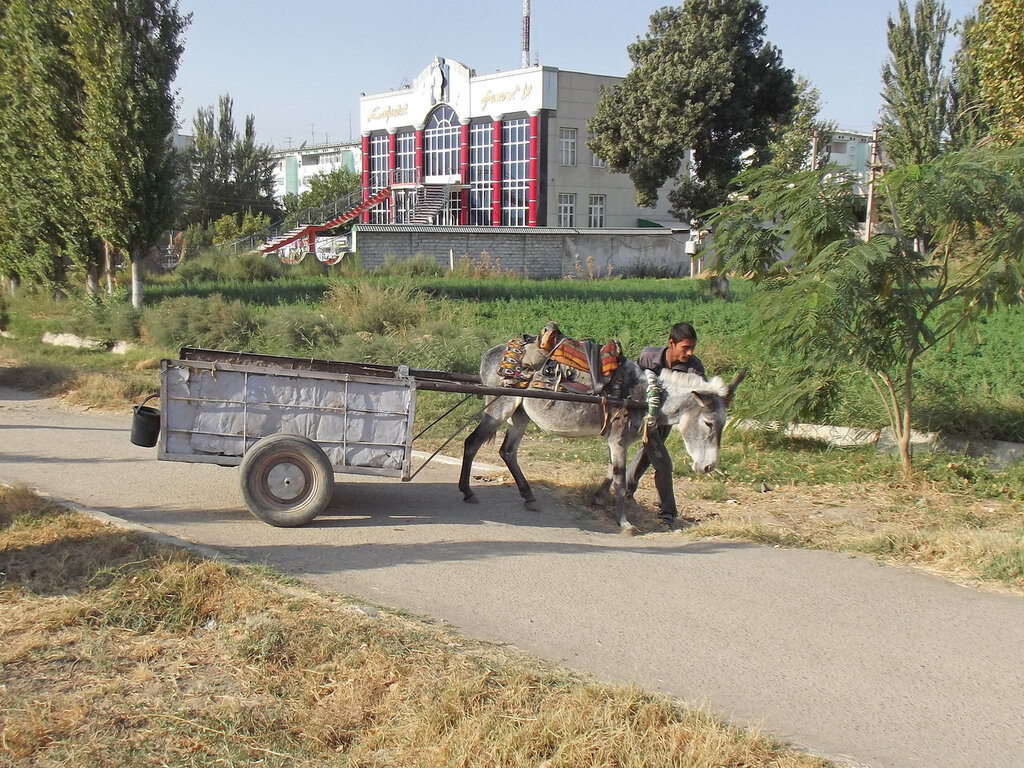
(696,408)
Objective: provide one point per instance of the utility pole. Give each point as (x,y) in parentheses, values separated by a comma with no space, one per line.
(814,149)
(871,188)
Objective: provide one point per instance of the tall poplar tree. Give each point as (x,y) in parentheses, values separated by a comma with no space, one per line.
(228,173)
(970,117)
(705,79)
(998,44)
(127,53)
(915,84)
(41,220)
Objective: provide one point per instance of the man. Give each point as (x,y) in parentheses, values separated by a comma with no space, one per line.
(678,356)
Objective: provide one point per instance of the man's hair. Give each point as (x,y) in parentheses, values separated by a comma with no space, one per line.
(683,332)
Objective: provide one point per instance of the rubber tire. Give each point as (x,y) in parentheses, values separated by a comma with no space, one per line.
(277,463)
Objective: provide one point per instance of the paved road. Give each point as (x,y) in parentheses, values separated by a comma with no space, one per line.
(880,666)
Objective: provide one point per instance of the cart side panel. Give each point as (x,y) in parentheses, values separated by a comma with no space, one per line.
(215,412)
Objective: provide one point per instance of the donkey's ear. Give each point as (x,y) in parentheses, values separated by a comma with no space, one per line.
(735,383)
(706,398)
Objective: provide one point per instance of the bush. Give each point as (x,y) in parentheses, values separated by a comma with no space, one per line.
(213,266)
(104,317)
(418,266)
(300,331)
(376,308)
(205,322)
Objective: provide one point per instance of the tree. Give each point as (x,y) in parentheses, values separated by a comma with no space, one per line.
(838,301)
(326,187)
(970,118)
(998,45)
(227,174)
(127,53)
(805,134)
(41,220)
(703,79)
(915,84)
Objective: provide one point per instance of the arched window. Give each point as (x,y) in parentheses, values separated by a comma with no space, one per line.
(441,139)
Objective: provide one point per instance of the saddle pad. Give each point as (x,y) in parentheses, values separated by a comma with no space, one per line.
(573,353)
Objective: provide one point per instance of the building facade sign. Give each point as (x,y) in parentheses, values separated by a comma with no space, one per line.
(449,82)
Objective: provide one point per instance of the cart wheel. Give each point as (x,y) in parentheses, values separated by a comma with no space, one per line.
(287,480)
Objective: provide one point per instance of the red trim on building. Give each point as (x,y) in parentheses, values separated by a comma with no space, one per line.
(464,175)
(366,175)
(534,155)
(496,176)
(392,165)
(419,154)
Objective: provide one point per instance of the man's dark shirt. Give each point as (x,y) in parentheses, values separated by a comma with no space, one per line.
(653,359)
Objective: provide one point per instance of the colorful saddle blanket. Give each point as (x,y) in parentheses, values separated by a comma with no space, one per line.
(555,362)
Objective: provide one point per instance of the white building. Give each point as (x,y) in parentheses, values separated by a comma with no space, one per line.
(296,166)
(852,150)
(503,149)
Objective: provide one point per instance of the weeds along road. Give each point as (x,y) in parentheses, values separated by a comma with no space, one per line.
(880,666)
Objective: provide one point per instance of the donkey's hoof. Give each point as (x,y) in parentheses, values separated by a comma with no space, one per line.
(470,498)
(627,530)
(532,505)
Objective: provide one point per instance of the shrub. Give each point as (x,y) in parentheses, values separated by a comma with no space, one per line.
(213,266)
(377,308)
(205,322)
(300,330)
(418,266)
(104,317)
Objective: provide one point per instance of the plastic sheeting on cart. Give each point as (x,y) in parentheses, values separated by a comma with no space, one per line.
(358,422)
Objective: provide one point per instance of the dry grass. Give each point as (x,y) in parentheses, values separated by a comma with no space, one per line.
(968,540)
(116,651)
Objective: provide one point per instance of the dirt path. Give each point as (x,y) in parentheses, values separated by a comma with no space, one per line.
(881,666)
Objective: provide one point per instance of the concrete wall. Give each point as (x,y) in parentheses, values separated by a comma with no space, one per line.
(534,253)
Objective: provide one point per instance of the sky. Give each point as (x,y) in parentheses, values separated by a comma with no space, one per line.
(299,67)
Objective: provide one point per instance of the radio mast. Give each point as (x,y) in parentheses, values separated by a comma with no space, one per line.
(526,33)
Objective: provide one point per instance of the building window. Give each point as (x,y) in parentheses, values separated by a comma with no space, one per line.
(595,211)
(567,210)
(567,146)
(515,172)
(441,140)
(405,157)
(379,177)
(481,153)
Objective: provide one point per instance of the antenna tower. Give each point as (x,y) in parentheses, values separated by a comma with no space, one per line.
(526,33)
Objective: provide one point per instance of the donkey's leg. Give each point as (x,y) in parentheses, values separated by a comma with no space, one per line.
(617,452)
(494,414)
(510,453)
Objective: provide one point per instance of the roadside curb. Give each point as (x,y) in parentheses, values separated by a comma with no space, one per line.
(145,530)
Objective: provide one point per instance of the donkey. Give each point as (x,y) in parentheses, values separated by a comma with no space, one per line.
(696,408)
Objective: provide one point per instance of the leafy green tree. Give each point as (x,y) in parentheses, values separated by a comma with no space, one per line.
(998,45)
(227,173)
(703,79)
(127,53)
(970,118)
(792,149)
(41,219)
(836,301)
(915,84)
(329,186)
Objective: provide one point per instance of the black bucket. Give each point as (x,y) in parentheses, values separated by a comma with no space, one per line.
(145,424)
